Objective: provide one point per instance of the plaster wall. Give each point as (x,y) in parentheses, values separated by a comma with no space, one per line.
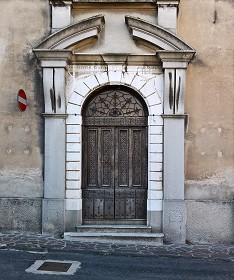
(22,23)
(209,139)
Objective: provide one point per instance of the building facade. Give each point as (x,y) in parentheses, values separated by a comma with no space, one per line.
(129,117)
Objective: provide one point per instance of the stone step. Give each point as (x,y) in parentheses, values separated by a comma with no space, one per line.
(119,237)
(114,228)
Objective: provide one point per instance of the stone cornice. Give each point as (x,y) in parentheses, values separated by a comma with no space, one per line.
(66,37)
(155,35)
(53,58)
(60,3)
(175,59)
(174,116)
(51,115)
(112,1)
(169,3)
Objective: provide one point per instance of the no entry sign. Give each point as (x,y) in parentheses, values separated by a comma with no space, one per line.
(22,100)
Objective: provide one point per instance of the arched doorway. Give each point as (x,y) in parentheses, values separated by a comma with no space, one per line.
(114,179)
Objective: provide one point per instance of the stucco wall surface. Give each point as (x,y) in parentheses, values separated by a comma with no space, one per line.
(207,26)
(22,23)
(209,142)
(210,221)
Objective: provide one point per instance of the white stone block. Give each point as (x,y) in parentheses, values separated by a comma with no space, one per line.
(74,119)
(73,128)
(102,78)
(155,148)
(127,78)
(73,175)
(156,109)
(155,138)
(76,98)
(149,88)
(74,138)
(155,166)
(154,205)
(73,109)
(153,194)
(155,120)
(73,156)
(154,185)
(91,82)
(155,176)
(73,184)
(81,88)
(73,147)
(114,76)
(153,99)
(74,204)
(73,194)
(157,157)
(61,16)
(155,129)
(167,17)
(138,82)
(73,165)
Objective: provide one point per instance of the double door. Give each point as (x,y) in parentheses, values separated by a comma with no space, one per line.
(114,173)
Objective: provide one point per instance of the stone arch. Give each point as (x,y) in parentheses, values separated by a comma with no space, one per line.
(143,86)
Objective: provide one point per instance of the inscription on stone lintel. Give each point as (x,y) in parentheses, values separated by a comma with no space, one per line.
(104,68)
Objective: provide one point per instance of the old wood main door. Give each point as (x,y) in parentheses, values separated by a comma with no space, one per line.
(114,158)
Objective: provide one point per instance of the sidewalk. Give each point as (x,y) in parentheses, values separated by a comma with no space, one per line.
(37,242)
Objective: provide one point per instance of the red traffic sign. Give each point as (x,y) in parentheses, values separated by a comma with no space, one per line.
(22,100)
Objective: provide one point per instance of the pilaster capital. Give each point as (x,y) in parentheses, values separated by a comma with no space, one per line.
(175,59)
(53,58)
(168,3)
(60,3)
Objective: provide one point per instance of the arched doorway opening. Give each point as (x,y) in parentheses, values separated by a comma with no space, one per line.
(114,172)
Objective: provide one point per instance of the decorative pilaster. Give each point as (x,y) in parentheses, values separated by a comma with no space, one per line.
(167,14)
(174,210)
(53,64)
(61,14)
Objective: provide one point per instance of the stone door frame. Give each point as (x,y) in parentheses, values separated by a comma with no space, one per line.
(61,204)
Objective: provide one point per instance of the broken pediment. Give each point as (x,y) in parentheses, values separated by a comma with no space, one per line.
(92,36)
(155,35)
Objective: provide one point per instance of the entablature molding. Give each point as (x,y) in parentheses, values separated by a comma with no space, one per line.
(115,59)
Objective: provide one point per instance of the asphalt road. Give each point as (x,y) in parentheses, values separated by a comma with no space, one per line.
(107,267)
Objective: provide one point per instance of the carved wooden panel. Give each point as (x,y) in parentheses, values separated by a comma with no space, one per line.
(92,156)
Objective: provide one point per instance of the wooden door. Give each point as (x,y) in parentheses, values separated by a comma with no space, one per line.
(114,163)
